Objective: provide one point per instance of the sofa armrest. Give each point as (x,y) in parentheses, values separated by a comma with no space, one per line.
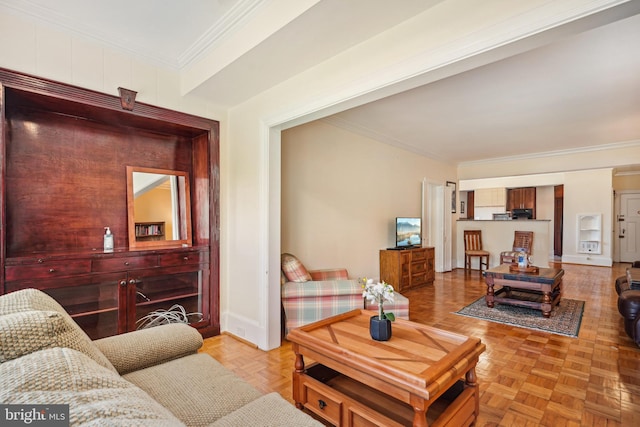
(148,347)
(329,274)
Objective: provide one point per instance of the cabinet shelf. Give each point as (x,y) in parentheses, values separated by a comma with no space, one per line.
(150,230)
(82,310)
(590,233)
(169,297)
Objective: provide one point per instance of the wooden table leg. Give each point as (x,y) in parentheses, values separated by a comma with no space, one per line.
(546,304)
(471,380)
(490,293)
(297,373)
(419,411)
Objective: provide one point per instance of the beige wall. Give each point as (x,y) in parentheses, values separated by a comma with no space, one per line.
(342,192)
(626,182)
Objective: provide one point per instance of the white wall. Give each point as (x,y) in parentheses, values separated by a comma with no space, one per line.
(342,192)
(46,52)
(588,192)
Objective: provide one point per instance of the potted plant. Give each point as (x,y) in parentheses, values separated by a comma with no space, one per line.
(380,325)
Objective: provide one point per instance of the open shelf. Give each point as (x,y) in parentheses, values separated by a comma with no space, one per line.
(369,406)
(590,233)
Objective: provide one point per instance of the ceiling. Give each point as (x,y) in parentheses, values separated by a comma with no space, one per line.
(583,91)
(580,92)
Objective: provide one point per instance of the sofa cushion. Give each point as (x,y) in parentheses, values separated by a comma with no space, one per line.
(95,394)
(293,269)
(197,389)
(268,410)
(308,302)
(36,321)
(28,331)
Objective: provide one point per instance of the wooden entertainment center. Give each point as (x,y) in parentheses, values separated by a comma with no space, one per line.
(406,269)
(66,158)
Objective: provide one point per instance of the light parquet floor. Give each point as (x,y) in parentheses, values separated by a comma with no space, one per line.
(527,378)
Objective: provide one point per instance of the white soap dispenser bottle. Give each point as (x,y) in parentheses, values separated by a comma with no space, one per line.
(108,240)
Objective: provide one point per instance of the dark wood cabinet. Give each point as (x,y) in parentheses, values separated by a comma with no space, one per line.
(522,198)
(471,204)
(109,293)
(65,152)
(408,268)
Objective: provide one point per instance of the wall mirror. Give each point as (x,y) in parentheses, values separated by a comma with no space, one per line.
(158,207)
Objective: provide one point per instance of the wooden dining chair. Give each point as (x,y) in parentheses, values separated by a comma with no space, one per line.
(522,241)
(473,248)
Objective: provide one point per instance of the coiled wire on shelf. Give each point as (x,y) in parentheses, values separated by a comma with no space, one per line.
(175,314)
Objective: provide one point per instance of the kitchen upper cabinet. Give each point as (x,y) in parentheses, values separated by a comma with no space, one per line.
(522,198)
(485,197)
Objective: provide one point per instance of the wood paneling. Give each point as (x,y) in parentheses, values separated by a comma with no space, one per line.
(64,153)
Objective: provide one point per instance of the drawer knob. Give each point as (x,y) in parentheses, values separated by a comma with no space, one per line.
(322,404)
(126,263)
(52,270)
(123,283)
(40,260)
(186,258)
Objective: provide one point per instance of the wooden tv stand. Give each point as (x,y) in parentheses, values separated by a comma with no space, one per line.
(406,269)
(358,381)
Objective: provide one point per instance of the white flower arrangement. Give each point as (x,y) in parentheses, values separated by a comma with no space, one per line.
(379,293)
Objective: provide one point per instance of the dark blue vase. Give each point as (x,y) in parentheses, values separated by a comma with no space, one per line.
(380,329)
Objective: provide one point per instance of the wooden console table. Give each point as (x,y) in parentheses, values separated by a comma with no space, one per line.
(547,282)
(421,375)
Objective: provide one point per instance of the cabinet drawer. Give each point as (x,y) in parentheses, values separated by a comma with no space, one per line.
(418,267)
(317,400)
(46,269)
(418,254)
(193,257)
(125,263)
(419,279)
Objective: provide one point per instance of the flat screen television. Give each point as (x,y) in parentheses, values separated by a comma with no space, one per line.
(408,232)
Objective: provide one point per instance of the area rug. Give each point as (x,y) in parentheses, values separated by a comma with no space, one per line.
(565,318)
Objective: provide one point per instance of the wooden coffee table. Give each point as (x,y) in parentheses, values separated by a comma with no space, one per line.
(421,375)
(547,282)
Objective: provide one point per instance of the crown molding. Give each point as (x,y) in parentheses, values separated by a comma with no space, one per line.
(226,24)
(229,22)
(555,153)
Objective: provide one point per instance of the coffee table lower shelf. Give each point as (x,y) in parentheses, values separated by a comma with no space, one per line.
(342,401)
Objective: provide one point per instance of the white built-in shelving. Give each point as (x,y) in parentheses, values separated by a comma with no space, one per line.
(590,233)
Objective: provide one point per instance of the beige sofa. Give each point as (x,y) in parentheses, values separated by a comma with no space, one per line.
(152,377)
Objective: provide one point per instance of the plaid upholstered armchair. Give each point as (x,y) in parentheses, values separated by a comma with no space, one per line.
(312,295)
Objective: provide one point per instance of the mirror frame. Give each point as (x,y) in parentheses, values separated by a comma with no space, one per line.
(184,200)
